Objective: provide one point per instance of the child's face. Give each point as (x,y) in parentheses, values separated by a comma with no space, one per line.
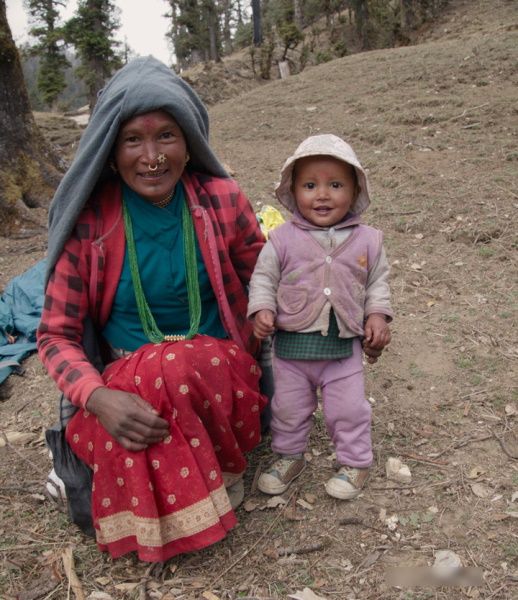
(325,188)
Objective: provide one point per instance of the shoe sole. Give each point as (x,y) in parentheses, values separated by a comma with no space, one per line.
(342,495)
(281,489)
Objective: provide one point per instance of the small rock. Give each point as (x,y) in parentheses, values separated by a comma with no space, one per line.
(397,471)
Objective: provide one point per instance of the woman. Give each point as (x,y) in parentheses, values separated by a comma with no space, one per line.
(151,247)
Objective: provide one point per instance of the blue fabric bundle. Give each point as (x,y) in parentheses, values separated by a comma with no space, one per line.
(20,313)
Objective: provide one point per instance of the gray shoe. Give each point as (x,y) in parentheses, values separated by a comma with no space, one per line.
(283,471)
(236,493)
(348,483)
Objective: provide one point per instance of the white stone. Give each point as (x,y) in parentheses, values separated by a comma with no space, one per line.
(397,471)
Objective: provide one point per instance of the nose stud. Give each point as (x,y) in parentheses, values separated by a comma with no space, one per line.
(159,159)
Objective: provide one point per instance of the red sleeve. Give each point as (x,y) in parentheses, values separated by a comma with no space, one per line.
(248,241)
(61,327)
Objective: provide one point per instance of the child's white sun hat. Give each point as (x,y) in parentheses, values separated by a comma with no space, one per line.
(323,145)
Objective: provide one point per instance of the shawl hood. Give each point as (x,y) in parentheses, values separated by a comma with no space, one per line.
(323,145)
(143,85)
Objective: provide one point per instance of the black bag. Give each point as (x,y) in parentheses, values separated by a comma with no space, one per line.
(77,477)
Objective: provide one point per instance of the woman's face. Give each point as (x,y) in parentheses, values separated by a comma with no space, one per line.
(146,141)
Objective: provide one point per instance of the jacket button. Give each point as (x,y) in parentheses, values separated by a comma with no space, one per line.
(329,260)
(327,291)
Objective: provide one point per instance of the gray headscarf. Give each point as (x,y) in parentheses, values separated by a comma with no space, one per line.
(144,85)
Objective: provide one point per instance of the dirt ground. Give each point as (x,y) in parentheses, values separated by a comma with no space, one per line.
(435,124)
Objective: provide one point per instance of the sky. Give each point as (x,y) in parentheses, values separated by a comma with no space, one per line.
(142,25)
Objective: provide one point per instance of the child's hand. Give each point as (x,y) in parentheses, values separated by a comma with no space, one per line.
(263,324)
(377,336)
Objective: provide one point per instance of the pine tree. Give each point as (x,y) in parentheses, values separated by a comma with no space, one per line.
(195,31)
(51,79)
(91,32)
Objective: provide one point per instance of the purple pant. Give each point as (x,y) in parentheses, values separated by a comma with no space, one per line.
(347,413)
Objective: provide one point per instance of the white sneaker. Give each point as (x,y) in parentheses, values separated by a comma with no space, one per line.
(59,483)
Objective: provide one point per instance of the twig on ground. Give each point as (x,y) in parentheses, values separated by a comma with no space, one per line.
(145,578)
(394,487)
(474,393)
(468,110)
(458,445)
(503,444)
(425,460)
(247,552)
(508,191)
(58,502)
(362,523)
(257,474)
(421,146)
(405,212)
(301,549)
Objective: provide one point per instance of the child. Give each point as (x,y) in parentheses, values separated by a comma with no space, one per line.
(321,282)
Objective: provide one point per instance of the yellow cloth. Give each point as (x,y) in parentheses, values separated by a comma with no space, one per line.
(269,217)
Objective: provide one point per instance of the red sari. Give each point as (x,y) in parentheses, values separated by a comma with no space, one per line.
(171,498)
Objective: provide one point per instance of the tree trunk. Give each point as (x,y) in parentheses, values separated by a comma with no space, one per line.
(227,33)
(29,171)
(256,17)
(407,14)
(213,33)
(298,18)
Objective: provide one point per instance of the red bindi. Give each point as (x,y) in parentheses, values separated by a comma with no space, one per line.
(149,124)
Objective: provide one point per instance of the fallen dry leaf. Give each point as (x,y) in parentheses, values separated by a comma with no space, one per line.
(480,490)
(306,594)
(210,596)
(499,517)
(17,437)
(368,561)
(305,504)
(275,502)
(292,514)
(475,473)
(125,588)
(68,564)
(249,506)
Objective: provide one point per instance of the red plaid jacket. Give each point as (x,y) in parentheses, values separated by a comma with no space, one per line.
(84,281)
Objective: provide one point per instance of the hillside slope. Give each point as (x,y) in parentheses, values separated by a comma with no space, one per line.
(435,125)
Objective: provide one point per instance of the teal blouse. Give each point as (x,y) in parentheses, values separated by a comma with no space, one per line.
(159,244)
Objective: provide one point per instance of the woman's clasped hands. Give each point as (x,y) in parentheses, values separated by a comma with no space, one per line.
(129,419)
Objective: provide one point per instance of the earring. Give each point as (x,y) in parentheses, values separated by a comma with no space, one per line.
(187,158)
(113,167)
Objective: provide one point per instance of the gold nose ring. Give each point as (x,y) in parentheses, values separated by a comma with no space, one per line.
(152,168)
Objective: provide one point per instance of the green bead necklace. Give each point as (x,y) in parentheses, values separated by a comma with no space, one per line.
(191,275)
